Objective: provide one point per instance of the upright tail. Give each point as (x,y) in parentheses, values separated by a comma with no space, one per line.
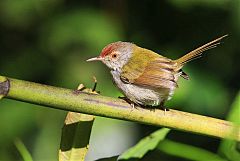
(197,52)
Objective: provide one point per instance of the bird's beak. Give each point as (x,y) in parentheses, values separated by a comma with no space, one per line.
(95,59)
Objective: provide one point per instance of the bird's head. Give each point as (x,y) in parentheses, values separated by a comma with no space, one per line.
(115,55)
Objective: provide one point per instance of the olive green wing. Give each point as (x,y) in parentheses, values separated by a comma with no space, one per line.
(150,70)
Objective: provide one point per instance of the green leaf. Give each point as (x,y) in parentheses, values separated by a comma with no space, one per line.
(228,148)
(186,151)
(75,137)
(146,144)
(23,150)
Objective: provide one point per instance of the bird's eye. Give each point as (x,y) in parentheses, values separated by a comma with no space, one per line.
(114,55)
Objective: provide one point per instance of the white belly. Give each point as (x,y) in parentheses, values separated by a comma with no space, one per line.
(141,95)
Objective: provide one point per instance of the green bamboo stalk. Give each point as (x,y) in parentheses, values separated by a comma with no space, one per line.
(66,99)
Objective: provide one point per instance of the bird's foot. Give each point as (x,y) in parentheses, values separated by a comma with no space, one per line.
(163,107)
(135,106)
(132,105)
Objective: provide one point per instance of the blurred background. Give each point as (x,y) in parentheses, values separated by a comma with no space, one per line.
(48,42)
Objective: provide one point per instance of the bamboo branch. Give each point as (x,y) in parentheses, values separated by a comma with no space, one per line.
(70,100)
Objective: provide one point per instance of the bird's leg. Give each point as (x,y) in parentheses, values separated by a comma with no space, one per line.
(133,105)
(163,107)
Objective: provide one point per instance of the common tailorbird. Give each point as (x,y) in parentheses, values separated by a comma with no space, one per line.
(145,77)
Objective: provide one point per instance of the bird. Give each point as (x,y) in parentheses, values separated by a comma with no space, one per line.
(145,77)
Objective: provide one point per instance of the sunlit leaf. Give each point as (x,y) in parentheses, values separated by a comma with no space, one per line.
(75,137)
(146,144)
(187,151)
(230,148)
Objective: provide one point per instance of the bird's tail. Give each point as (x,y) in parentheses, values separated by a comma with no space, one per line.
(197,52)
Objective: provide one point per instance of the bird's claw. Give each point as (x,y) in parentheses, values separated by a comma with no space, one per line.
(164,109)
